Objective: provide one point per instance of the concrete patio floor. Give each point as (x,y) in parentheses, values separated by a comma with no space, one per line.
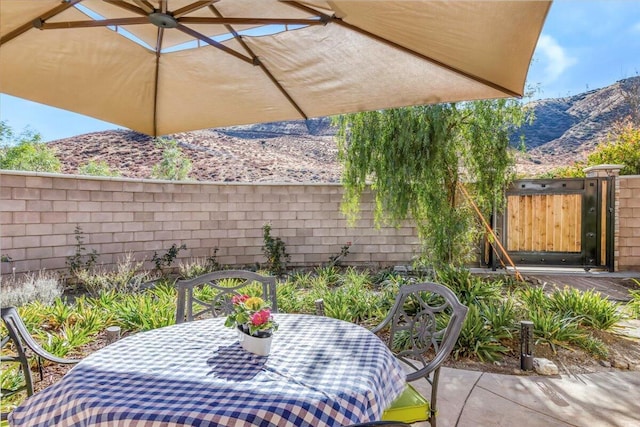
(474,399)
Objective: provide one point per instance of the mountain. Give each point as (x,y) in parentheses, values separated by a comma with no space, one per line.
(565,130)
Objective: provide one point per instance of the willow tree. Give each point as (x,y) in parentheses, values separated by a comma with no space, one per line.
(414,160)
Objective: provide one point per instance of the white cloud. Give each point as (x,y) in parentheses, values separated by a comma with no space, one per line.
(555,58)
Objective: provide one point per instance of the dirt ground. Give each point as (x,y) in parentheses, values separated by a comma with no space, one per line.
(569,361)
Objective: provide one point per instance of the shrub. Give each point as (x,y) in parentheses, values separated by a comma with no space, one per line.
(468,288)
(337,259)
(534,298)
(329,275)
(477,338)
(44,287)
(195,267)
(501,317)
(174,165)
(633,306)
(164,262)
(97,168)
(352,303)
(275,252)
(128,277)
(151,309)
(590,307)
(81,259)
(28,153)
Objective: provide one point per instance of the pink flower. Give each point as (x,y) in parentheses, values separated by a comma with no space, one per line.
(260,317)
(239,299)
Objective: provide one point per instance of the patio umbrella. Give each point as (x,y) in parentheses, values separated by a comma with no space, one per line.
(166,66)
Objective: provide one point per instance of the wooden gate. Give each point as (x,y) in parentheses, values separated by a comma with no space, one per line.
(559,222)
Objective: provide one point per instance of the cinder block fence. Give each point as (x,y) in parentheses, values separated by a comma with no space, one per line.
(40,212)
(627,233)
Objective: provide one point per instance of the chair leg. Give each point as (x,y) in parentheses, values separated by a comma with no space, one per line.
(434,397)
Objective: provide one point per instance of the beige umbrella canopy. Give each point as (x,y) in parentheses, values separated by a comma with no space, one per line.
(166,66)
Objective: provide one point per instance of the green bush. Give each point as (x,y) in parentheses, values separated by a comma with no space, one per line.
(274,251)
(26,152)
(82,259)
(97,168)
(128,277)
(174,166)
(19,290)
(478,338)
(591,308)
(150,309)
(195,267)
(165,261)
(633,306)
(469,289)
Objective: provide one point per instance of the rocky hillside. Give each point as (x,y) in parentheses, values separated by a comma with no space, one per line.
(304,151)
(567,129)
(215,155)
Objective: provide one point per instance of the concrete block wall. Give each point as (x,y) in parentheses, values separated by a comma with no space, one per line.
(39,213)
(628,223)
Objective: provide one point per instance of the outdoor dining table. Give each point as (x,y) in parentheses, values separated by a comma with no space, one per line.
(320,372)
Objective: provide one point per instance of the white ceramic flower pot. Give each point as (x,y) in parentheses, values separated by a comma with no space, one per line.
(256,345)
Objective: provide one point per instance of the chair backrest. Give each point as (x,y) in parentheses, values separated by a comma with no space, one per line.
(23,341)
(427,319)
(223,284)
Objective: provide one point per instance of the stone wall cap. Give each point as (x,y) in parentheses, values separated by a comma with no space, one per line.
(603,167)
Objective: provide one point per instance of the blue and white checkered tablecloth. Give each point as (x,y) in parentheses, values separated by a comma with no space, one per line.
(321,372)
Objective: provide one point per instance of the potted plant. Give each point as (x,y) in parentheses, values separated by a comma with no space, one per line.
(253,319)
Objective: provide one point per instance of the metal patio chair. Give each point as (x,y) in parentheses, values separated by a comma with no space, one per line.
(427,318)
(226,284)
(26,348)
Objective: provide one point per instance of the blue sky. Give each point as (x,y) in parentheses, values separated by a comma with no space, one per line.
(585,45)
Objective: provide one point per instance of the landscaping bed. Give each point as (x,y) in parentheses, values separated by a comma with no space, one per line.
(575,329)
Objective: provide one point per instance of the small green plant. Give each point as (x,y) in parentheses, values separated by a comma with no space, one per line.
(195,267)
(26,151)
(97,168)
(633,306)
(275,252)
(128,277)
(555,329)
(174,165)
(336,260)
(329,275)
(151,309)
(501,317)
(468,288)
(165,261)
(44,286)
(590,307)
(81,259)
(477,338)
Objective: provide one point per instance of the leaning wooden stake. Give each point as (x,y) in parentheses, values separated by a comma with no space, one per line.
(490,230)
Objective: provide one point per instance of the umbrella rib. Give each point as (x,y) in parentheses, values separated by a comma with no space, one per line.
(257,61)
(145,5)
(128,6)
(214,43)
(92,23)
(258,21)
(192,7)
(31,24)
(381,39)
